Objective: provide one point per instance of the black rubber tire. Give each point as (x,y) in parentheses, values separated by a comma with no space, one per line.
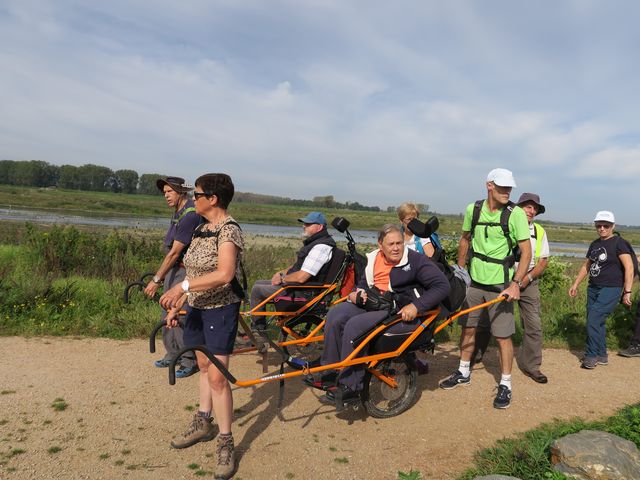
(383,401)
(302,327)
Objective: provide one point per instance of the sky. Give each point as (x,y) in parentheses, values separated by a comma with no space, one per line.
(370,101)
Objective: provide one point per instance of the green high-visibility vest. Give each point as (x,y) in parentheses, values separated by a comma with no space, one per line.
(184,212)
(538,233)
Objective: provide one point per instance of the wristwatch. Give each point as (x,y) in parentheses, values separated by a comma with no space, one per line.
(156,279)
(185,286)
(518,282)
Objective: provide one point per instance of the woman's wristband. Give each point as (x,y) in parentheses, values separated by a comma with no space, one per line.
(626,291)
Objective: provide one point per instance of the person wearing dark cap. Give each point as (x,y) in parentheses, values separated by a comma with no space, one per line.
(312,262)
(529,303)
(171,271)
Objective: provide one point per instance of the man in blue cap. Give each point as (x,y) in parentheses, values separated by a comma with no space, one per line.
(312,262)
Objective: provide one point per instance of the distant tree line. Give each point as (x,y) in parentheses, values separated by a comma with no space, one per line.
(317,202)
(96,178)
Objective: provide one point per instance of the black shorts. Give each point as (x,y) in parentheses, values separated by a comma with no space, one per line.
(216,328)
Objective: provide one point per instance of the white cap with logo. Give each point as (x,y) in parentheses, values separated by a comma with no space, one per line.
(501,177)
(605,216)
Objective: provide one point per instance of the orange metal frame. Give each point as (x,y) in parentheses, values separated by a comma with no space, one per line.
(284,317)
(372,360)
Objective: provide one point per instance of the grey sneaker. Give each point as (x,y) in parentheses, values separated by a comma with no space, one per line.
(225,451)
(589,363)
(503,397)
(603,360)
(453,380)
(201,429)
(632,351)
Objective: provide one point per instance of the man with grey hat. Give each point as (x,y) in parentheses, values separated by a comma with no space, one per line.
(491,229)
(171,271)
(529,303)
(312,262)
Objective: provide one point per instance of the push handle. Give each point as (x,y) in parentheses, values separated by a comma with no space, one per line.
(200,348)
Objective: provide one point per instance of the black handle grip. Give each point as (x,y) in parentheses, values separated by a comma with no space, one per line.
(200,348)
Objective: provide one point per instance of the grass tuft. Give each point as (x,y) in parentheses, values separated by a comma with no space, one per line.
(412,475)
(59,405)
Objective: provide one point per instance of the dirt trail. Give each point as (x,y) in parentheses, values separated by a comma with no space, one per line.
(122,413)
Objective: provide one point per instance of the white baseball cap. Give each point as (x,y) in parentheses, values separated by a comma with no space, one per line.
(501,177)
(605,216)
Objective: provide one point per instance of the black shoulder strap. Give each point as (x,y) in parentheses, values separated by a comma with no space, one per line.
(504,223)
(477,207)
(239,289)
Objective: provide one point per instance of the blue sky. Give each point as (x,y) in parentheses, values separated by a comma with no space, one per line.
(370,101)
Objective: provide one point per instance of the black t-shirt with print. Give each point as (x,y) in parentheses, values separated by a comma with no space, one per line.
(606,270)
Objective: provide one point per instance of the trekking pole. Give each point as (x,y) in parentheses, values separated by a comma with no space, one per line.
(451,318)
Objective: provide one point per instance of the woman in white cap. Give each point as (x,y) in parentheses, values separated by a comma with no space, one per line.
(610,271)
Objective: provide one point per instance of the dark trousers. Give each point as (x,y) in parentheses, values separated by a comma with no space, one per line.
(344,323)
(172,338)
(601,301)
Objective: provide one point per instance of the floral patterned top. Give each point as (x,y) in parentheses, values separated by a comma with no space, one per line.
(202,258)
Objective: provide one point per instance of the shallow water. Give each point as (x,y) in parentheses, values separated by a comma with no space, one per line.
(360,236)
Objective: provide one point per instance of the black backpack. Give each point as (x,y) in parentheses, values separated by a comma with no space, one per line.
(634,258)
(514,252)
(458,290)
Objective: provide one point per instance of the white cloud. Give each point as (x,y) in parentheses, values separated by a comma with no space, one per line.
(377,105)
(617,164)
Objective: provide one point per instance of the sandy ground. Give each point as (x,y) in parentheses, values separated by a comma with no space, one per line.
(122,413)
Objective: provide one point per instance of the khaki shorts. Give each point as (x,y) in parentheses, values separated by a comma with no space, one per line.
(499,315)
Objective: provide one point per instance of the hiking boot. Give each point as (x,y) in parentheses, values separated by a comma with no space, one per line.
(226,454)
(503,397)
(453,380)
(632,351)
(201,429)
(589,363)
(603,360)
(537,376)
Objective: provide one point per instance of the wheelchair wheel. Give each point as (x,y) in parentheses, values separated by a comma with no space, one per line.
(301,328)
(384,401)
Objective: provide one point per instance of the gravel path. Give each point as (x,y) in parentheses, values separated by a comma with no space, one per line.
(122,413)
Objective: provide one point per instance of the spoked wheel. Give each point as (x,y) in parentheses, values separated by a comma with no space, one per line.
(301,328)
(383,400)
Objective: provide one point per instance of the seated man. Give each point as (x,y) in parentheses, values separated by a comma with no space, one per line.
(418,285)
(312,263)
